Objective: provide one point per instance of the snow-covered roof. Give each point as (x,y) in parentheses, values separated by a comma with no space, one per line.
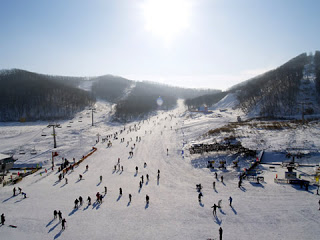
(4,156)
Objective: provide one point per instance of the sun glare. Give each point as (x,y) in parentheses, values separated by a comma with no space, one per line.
(166,18)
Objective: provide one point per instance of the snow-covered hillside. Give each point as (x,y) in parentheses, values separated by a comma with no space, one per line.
(259,211)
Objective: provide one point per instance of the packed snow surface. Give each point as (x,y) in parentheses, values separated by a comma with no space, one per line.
(259,211)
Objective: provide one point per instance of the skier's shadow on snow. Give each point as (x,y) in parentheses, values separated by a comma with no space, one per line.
(49,223)
(201,204)
(58,234)
(243,189)
(139,190)
(79,180)
(147,206)
(19,200)
(147,182)
(256,184)
(158,182)
(135,174)
(113,171)
(234,211)
(217,220)
(63,185)
(216,190)
(73,211)
(119,198)
(9,198)
(220,209)
(51,229)
(85,171)
(120,172)
(86,208)
(98,184)
(56,182)
(128,204)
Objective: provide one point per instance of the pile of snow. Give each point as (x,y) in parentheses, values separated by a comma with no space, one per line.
(230,101)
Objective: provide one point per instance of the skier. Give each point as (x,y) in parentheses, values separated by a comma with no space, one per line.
(239,183)
(216,175)
(98,196)
(214,209)
(142,178)
(115,168)
(167,151)
(147,199)
(76,203)
(80,200)
(230,200)
(120,191)
(63,224)
(147,177)
(2,219)
(130,196)
(214,185)
(14,191)
(199,197)
(222,179)
(60,215)
(136,169)
(121,168)
(80,176)
(89,200)
(66,180)
(60,177)
(105,190)
(100,178)
(145,165)
(118,160)
(87,167)
(24,195)
(19,190)
(220,233)
(55,213)
(140,184)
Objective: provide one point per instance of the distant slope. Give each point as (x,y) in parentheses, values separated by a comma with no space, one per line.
(275,92)
(33,96)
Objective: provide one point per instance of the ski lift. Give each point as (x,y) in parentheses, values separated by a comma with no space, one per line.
(21,151)
(33,151)
(43,134)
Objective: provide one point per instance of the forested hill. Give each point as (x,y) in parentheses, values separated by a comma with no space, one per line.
(30,96)
(276,93)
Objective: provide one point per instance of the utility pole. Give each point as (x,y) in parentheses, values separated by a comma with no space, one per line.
(92,109)
(54,125)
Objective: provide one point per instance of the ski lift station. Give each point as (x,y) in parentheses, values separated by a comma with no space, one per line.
(6,162)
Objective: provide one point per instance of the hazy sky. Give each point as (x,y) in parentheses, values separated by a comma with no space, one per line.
(196,43)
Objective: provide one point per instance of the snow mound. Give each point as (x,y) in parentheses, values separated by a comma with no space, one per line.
(228,102)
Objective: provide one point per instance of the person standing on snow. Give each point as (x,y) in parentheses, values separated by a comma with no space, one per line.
(63,224)
(76,203)
(120,191)
(214,185)
(220,233)
(14,191)
(89,200)
(222,179)
(230,200)
(2,219)
(60,215)
(55,213)
(147,199)
(199,197)
(130,196)
(80,200)
(214,209)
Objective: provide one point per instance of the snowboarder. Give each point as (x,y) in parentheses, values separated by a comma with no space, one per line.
(220,233)
(19,190)
(76,203)
(80,200)
(60,215)
(55,213)
(214,209)
(222,179)
(2,219)
(214,185)
(63,223)
(14,191)
(230,201)
(120,191)
(147,199)
(130,196)
(199,196)
(89,200)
